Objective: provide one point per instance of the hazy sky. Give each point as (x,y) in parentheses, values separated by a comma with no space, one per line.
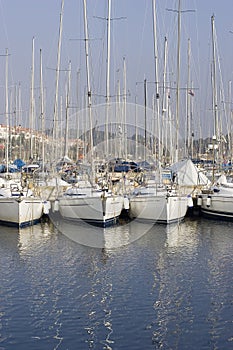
(132,38)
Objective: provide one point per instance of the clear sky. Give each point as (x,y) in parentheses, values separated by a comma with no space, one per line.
(132,38)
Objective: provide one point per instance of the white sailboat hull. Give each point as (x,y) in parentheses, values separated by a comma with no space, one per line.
(98,210)
(20,211)
(219,205)
(158,209)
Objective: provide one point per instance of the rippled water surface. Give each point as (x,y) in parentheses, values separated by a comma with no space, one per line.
(168,288)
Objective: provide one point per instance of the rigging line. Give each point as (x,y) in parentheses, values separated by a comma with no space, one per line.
(115,50)
(198,51)
(3,24)
(99,62)
(196,72)
(141,43)
(111,19)
(206,123)
(221,83)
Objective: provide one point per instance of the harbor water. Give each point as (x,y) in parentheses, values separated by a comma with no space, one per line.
(72,286)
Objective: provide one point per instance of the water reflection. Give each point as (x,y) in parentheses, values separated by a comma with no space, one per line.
(170,288)
(98,303)
(29,295)
(219,267)
(183,234)
(115,236)
(54,293)
(191,287)
(29,237)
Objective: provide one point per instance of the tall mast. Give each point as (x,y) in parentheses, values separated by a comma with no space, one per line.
(88,76)
(124,110)
(89,91)
(108,74)
(164,103)
(215,102)
(178,85)
(55,118)
(108,54)
(60,129)
(32,103)
(156,81)
(229,121)
(145,119)
(67,111)
(188,140)
(77,114)
(20,119)
(87,53)
(7,114)
(42,111)
(118,140)
(215,99)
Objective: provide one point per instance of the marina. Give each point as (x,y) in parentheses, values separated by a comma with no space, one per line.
(116,178)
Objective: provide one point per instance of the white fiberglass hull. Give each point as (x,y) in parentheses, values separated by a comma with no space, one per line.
(218,205)
(158,208)
(98,210)
(20,211)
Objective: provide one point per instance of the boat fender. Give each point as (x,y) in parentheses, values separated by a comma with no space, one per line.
(190,202)
(208,201)
(46,208)
(56,205)
(199,201)
(104,206)
(126,203)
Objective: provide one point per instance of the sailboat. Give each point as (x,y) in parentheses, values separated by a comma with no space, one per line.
(94,204)
(19,207)
(153,201)
(158,205)
(158,202)
(217,200)
(100,207)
